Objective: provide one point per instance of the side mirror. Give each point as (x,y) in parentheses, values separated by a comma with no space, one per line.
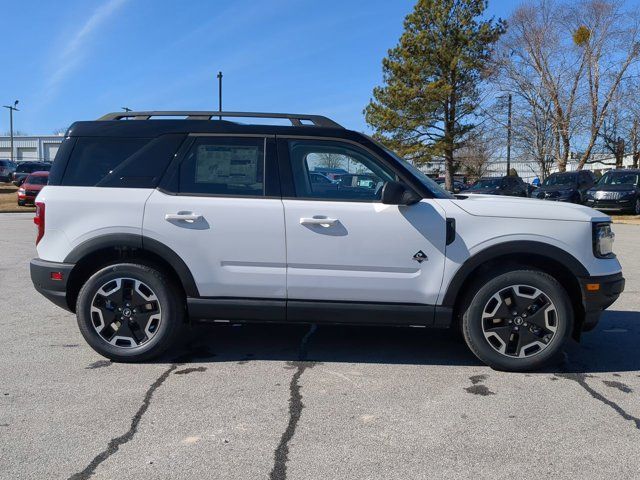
(395,193)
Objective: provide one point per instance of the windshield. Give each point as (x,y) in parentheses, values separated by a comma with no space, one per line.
(486,183)
(437,190)
(36,180)
(560,179)
(619,178)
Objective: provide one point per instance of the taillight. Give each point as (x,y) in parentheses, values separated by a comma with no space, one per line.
(39,220)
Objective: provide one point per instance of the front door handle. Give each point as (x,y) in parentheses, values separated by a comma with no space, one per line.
(182,216)
(318,220)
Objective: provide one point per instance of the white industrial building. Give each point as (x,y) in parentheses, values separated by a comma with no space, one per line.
(30,147)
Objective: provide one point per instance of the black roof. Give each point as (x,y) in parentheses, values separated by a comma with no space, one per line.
(154,128)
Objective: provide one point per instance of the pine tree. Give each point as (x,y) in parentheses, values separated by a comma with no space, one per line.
(431,80)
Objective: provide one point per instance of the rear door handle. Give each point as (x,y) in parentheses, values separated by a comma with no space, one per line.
(180,216)
(318,220)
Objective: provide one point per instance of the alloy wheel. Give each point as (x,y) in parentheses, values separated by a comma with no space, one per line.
(637,206)
(519,321)
(126,313)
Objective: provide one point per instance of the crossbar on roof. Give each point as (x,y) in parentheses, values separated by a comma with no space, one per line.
(296,119)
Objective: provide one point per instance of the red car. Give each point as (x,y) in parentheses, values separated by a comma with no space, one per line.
(31,187)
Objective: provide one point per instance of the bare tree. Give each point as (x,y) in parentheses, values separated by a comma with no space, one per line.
(544,61)
(566,61)
(331,160)
(475,154)
(609,38)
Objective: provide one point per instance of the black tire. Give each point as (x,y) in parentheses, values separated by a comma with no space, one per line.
(168,302)
(535,340)
(20,203)
(635,210)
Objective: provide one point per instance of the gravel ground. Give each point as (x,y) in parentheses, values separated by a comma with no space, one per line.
(298,402)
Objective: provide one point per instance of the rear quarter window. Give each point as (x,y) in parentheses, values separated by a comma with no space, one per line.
(116,161)
(94,158)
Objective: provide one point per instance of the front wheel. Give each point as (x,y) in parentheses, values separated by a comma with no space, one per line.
(518,321)
(130,312)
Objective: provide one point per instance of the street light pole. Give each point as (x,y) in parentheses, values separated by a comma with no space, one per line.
(509,138)
(219,94)
(11,109)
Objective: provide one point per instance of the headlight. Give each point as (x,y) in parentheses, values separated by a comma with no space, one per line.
(603,240)
(590,193)
(627,193)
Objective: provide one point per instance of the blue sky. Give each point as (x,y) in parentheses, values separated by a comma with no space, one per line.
(76,60)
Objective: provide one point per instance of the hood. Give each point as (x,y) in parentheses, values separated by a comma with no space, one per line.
(613,188)
(484,191)
(518,207)
(555,188)
(28,186)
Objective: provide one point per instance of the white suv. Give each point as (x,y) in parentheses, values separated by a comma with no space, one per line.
(148,224)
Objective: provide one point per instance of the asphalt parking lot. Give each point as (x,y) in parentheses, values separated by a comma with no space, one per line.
(296,402)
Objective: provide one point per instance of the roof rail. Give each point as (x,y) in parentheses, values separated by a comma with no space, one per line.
(296,119)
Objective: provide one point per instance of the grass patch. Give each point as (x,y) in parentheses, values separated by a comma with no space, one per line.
(628,219)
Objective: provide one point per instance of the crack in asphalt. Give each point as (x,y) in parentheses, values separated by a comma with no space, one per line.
(281,454)
(115,443)
(186,371)
(581,379)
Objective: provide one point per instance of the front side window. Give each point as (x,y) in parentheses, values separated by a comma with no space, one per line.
(224,166)
(363,178)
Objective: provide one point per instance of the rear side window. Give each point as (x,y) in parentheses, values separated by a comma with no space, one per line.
(224,166)
(94,157)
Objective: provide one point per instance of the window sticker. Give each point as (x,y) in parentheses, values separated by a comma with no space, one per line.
(228,165)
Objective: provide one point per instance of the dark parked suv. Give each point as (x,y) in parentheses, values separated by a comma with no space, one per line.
(617,190)
(24,169)
(566,186)
(509,185)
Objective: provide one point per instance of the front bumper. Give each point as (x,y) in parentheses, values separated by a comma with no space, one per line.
(54,290)
(26,198)
(611,205)
(598,293)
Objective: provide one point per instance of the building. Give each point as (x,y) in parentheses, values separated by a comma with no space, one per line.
(528,171)
(31,147)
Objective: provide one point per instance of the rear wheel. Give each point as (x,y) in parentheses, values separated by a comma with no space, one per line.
(129,312)
(636,207)
(518,321)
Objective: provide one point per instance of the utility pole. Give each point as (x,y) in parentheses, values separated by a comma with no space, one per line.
(509,138)
(11,109)
(219,94)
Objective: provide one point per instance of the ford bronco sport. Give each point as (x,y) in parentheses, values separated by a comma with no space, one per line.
(147,224)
